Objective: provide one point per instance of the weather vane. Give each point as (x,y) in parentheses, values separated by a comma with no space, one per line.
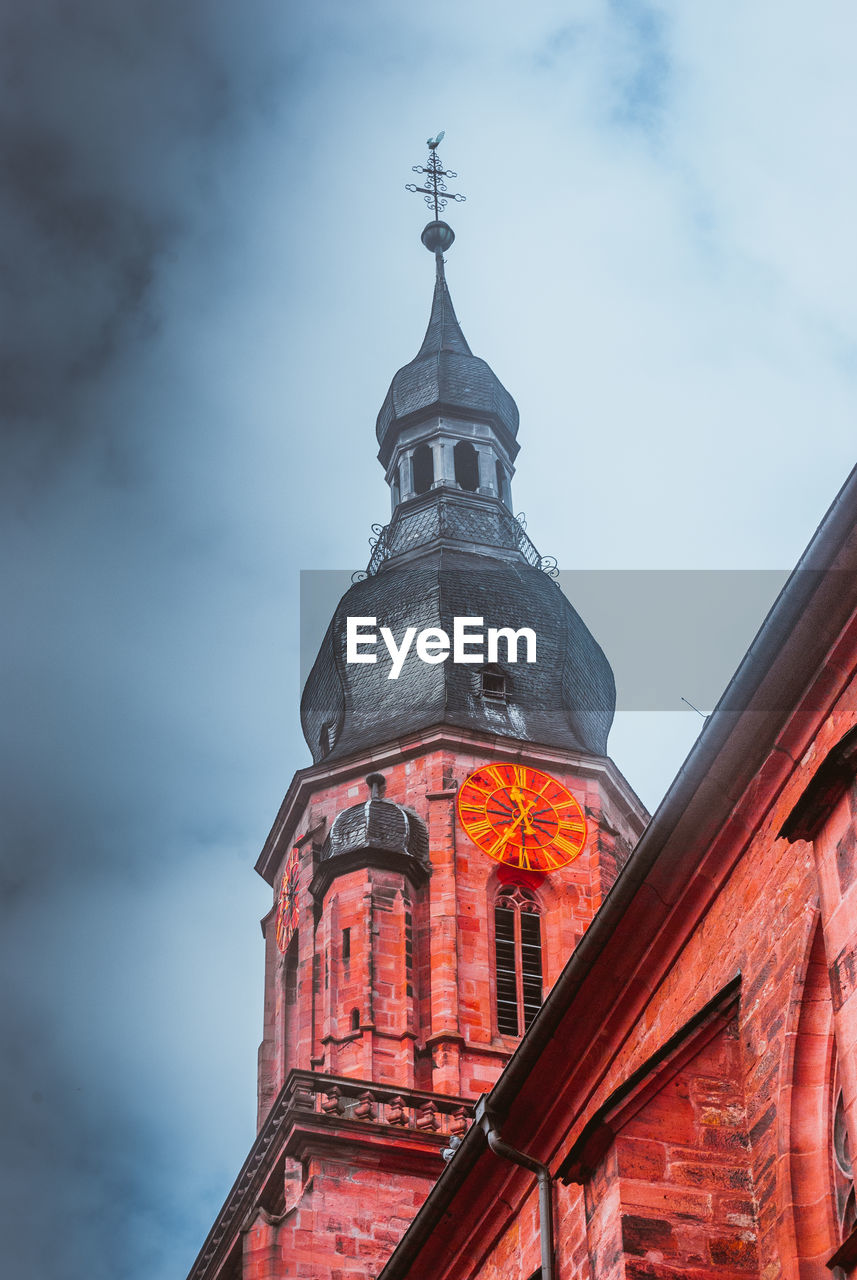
(435,192)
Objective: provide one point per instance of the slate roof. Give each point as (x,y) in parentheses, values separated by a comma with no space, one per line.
(565,699)
(444,376)
(377,824)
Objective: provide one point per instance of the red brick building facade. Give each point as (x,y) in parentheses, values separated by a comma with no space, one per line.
(685,1098)
(689,1084)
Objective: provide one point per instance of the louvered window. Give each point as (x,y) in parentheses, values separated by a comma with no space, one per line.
(518,959)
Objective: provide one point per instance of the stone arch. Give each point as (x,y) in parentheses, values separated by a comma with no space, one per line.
(811,1219)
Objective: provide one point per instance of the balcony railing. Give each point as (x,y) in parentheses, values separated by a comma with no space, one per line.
(306,1093)
(458,521)
(375,1103)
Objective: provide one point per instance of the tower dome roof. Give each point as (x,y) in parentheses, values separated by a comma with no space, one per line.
(565,699)
(453,551)
(375,833)
(445,377)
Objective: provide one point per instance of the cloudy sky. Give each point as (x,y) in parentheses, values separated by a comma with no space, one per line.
(210,271)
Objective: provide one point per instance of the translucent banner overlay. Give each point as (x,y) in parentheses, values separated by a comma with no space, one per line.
(669,635)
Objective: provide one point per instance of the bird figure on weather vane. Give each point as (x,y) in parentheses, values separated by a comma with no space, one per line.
(435,192)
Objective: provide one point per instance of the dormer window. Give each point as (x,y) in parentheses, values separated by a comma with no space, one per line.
(494,684)
(327,737)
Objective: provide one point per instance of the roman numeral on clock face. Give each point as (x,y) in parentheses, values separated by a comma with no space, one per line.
(521,816)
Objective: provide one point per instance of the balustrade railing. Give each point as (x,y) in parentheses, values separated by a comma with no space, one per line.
(375,1103)
(334,1096)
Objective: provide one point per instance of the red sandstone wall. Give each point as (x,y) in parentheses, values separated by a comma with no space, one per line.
(727,1172)
(344,1226)
(760,924)
(683,1195)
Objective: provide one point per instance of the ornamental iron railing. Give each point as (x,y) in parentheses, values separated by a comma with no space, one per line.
(446,518)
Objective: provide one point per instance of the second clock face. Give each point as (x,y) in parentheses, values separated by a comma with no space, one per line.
(521,817)
(287,901)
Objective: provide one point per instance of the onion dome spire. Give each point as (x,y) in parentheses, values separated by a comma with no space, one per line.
(452,549)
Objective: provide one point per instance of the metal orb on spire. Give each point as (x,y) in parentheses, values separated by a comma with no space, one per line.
(437,236)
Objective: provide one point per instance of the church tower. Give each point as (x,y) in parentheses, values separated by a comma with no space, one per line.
(436,865)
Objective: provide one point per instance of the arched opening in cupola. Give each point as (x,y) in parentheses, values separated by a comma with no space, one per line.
(422,464)
(502,483)
(466,466)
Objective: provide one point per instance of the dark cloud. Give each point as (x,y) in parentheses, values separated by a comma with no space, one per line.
(91,1187)
(119,764)
(114,123)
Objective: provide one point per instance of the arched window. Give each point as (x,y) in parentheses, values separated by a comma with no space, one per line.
(466,466)
(819,1162)
(843,1172)
(518,958)
(422,464)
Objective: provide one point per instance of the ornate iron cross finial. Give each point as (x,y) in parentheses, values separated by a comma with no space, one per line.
(435,192)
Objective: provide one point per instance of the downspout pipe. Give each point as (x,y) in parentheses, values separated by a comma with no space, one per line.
(542,1172)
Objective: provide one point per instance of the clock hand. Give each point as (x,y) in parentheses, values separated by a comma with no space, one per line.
(504,838)
(523,814)
(518,796)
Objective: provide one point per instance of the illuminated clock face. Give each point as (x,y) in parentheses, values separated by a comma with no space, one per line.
(287,902)
(521,817)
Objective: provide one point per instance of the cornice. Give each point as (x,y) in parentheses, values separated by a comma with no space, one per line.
(317,1112)
(444,737)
